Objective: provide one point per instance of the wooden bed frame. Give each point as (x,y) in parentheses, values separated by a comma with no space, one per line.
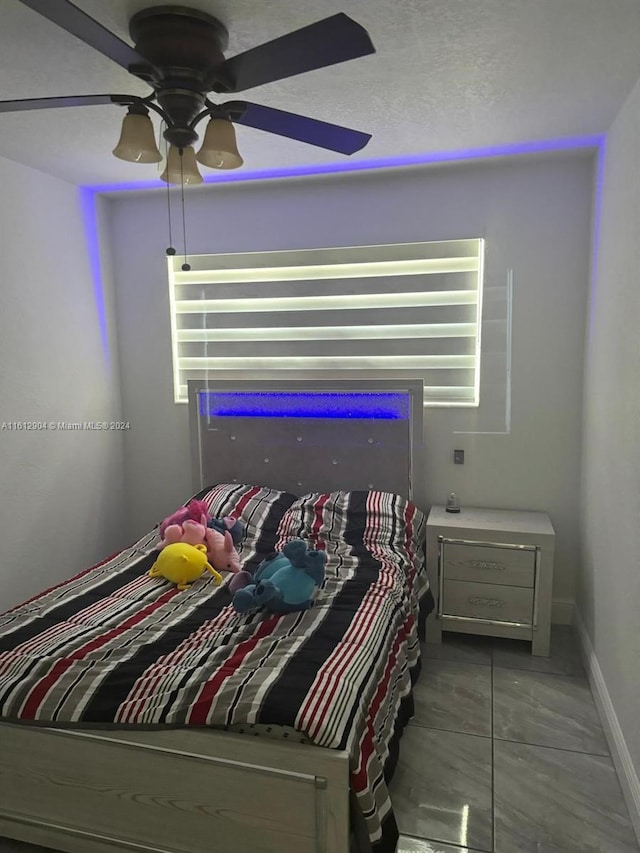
(171,792)
(200,790)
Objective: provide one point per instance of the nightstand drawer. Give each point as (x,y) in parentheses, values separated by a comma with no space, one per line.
(487,564)
(488,601)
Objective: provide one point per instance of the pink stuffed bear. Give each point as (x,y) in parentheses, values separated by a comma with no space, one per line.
(189,532)
(195,511)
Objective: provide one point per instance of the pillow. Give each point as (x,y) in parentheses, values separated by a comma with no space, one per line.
(370,517)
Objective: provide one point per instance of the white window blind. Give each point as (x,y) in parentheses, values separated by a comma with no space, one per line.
(320,313)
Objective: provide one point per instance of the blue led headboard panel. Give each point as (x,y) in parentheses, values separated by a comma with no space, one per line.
(309,436)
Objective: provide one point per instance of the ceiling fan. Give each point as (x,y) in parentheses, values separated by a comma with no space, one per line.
(179,53)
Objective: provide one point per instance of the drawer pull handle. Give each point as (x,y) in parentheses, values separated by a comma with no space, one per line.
(486,602)
(484,564)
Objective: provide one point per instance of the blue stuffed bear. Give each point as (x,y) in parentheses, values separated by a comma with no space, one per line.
(283,584)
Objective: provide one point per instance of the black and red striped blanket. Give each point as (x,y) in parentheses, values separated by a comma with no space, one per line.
(113,646)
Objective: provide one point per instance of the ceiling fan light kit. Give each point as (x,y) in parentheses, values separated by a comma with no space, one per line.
(179,53)
(219,147)
(181,167)
(137,143)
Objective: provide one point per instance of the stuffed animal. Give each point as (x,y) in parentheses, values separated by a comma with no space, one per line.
(198,511)
(221,552)
(189,532)
(230,523)
(283,584)
(195,511)
(218,546)
(182,564)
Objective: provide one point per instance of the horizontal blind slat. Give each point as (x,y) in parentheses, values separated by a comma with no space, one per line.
(315,272)
(437,315)
(346,361)
(434,283)
(347,301)
(322,333)
(334,254)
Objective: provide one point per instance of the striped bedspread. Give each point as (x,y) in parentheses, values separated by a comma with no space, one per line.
(113,646)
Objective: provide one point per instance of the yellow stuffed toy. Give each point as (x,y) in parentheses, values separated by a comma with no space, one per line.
(182,564)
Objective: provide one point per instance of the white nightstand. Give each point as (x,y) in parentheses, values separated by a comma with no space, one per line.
(491,573)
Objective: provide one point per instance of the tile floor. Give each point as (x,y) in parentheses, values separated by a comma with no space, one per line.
(506,754)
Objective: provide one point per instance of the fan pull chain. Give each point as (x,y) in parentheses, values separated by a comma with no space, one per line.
(185,266)
(170,250)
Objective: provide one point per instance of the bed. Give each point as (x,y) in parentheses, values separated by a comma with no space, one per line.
(136,717)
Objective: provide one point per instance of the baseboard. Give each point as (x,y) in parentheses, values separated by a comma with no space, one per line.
(562,611)
(627,775)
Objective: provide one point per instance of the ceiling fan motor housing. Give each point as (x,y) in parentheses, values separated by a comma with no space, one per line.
(175,37)
(184,48)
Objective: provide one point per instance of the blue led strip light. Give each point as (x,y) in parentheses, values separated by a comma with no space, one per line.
(426,158)
(378,405)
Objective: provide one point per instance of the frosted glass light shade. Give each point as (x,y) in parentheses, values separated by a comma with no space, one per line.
(137,142)
(219,149)
(187,172)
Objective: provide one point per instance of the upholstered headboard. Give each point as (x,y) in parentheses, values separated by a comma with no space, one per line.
(304,436)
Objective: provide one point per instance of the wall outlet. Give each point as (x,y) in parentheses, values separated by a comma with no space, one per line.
(458,457)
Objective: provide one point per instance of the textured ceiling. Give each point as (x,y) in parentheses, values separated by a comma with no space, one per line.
(448,75)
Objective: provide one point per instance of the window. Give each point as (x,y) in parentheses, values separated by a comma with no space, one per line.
(324,312)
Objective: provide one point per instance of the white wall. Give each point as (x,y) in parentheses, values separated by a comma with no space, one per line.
(62,496)
(610,580)
(535,216)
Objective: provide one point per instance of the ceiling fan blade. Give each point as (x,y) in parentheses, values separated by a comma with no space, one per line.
(78,23)
(310,130)
(327,42)
(69,101)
